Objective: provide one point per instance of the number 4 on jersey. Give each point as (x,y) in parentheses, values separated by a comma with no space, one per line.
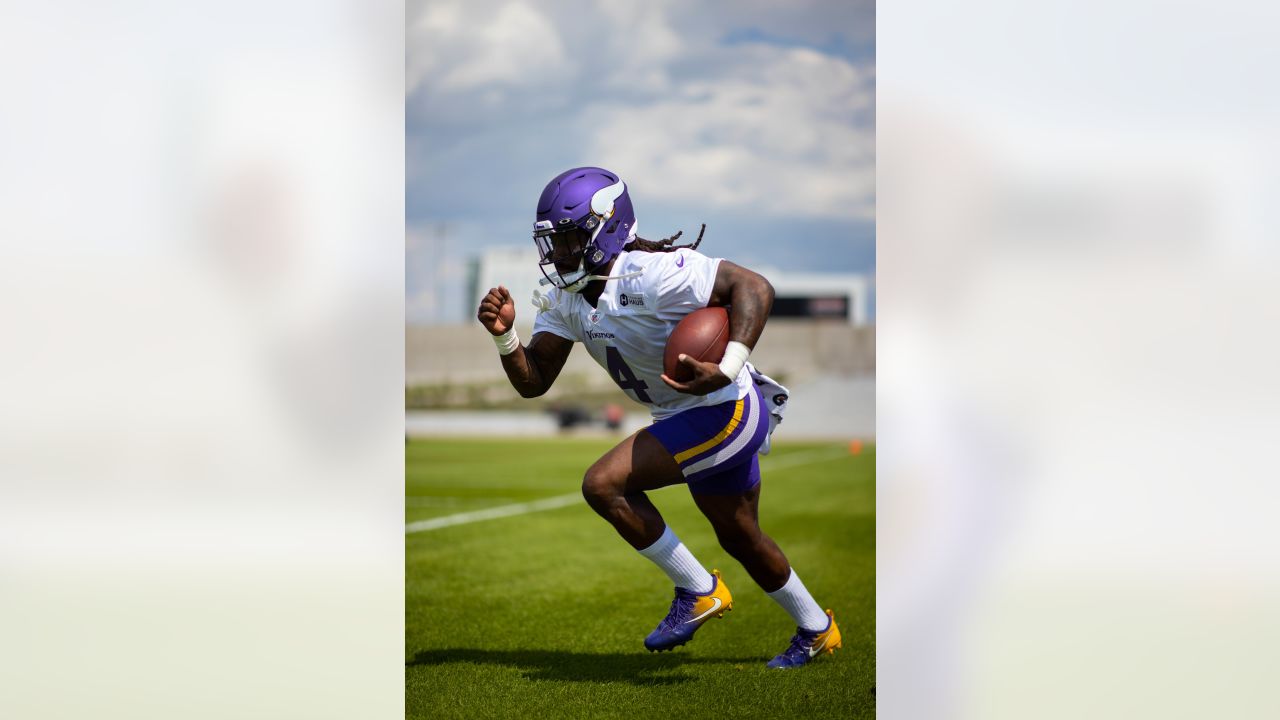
(622,375)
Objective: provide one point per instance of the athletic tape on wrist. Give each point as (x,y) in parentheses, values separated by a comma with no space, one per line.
(735,356)
(507,342)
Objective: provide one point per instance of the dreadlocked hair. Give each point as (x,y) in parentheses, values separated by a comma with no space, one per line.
(664,245)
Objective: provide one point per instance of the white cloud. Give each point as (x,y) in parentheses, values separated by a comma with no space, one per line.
(649,44)
(774,131)
(457,46)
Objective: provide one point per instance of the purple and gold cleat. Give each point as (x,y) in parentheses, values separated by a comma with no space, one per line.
(808,644)
(688,611)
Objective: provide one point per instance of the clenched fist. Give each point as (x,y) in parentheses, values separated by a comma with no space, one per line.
(497,311)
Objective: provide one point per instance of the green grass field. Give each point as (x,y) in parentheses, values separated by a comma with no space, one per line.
(543,614)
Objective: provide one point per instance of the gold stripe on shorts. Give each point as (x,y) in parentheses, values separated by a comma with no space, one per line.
(720,436)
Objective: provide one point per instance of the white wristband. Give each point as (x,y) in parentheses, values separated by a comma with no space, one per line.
(735,356)
(507,342)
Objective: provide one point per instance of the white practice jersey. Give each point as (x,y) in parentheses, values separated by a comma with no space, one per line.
(627,330)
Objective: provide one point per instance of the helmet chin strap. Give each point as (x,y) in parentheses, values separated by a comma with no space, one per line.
(544,302)
(578,284)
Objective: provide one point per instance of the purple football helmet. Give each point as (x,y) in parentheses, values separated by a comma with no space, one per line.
(592,203)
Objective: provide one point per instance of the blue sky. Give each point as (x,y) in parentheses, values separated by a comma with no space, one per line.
(757,118)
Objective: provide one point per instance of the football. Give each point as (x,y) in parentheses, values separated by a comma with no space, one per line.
(702,335)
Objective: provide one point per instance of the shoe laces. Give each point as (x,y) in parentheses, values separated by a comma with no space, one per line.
(681,607)
(800,643)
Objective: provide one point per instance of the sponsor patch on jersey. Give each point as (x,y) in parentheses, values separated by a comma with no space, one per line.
(635,300)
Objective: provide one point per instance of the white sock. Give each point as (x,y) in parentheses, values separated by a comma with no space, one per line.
(678,563)
(799,604)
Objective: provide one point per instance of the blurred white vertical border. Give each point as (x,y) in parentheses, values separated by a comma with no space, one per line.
(1078,281)
(201,381)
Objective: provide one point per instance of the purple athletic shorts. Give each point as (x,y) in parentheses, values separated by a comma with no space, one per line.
(715,445)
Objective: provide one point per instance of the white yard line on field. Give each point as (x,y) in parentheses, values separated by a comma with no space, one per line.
(559,501)
(524,508)
(438,500)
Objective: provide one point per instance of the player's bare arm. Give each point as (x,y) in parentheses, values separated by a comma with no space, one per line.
(751,297)
(532,368)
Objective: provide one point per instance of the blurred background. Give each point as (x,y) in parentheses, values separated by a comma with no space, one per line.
(755,118)
(201,457)
(204,300)
(1077,396)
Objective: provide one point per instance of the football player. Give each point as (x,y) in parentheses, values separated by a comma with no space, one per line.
(620,296)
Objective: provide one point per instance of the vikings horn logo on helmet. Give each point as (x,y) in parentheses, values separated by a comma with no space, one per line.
(602,201)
